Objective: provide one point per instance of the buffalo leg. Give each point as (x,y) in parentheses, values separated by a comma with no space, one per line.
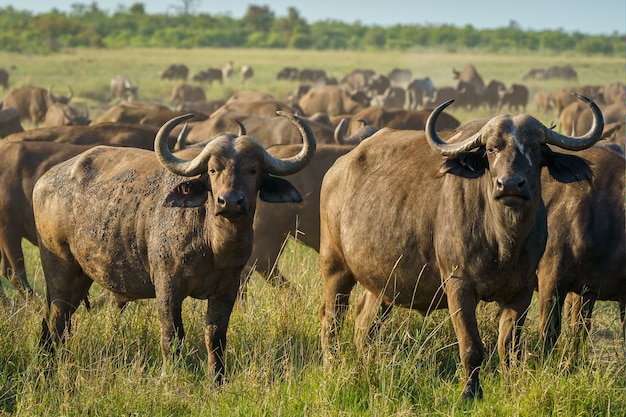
(169,307)
(338,283)
(370,312)
(62,302)
(550,300)
(13,267)
(219,309)
(462,305)
(512,318)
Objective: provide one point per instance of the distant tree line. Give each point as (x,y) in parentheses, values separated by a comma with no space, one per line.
(86,25)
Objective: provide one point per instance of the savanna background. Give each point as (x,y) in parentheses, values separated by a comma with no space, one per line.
(111,364)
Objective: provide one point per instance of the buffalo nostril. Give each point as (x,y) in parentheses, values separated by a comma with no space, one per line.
(221,201)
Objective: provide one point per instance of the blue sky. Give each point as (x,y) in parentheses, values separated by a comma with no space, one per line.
(591,17)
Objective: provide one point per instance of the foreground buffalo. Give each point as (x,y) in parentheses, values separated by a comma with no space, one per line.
(158,226)
(425,224)
(32,153)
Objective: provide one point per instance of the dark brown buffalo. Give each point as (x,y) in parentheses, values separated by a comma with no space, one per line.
(33,102)
(287,73)
(563,97)
(159,226)
(32,153)
(175,72)
(613,93)
(425,224)
(585,253)
(491,96)
(9,121)
(440,95)
(209,75)
(185,93)
(399,119)
(122,87)
(65,115)
(515,98)
(4,79)
(393,98)
(376,85)
(615,133)
(311,75)
(332,100)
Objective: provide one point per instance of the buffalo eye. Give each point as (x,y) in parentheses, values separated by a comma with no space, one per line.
(185,188)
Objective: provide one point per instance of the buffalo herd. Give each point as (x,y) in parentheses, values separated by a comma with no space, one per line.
(375,174)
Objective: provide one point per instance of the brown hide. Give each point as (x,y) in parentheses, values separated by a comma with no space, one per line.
(420,230)
(585,253)
(399,119)
(32,102)
(182,93)
(333,100)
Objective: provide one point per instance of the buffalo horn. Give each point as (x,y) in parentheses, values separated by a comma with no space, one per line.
(577,143)
(439,145)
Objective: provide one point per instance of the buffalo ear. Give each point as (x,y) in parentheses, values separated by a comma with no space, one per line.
(466,165)
(278,190)
(191,193)
(565,168)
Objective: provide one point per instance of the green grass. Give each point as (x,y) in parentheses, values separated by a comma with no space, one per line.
(111,364)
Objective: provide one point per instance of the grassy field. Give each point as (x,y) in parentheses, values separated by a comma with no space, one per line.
(111,365)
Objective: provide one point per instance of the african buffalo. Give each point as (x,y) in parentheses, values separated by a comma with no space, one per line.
(400,76)
(515,97)
(65,115)
(33,152)
(227,70)
(4,79)
(613,93)
(585,253)
(122,87)
(417,90)
(9,121)
(544,101)
(440,96)
(33,102)
(377,84)
(160,226)
(183,93)
(287,73)
(359,79)
(491,96)
(469,74)
(393,98)
(380,117)
(141,113)
(563,97)
(311,75)
(246,73)
(210,75)
(425,224)
(175,72)
(267,107)
(333,100)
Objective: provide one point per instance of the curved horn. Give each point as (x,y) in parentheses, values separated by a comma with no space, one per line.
(181,140)
(242,128)
(182,167)
(340,131)
(577,143)
(439,145)
(295,163)
(69,97)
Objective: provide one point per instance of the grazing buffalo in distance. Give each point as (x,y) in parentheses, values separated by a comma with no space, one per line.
(32,102)
(393,98)
(469,74)
(440,96)
(400,76)
(160,226)
(515,97)
(9,121)
(65,115)
(175,72)
(227,70)
(4,79)
(417,90)
(210,75)
(333,100)
(491,96)
(359,79)
(259,107)
(122,87)
(311,75)
(376,85)
(184,93)
(246,73)
(477,236)
(287,73)
(566,72)
(544,101)
(33,152)
(585,253)
(380,117)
